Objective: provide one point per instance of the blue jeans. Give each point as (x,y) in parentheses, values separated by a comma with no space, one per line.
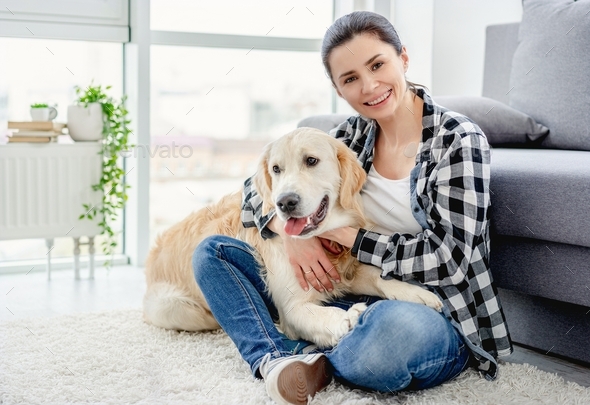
(396,345)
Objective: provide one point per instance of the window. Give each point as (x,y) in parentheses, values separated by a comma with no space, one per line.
(212,112)
(294,19)
(41,70)
(214,104)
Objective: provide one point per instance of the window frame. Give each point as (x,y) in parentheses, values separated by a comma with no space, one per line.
(91,20)
(128,22)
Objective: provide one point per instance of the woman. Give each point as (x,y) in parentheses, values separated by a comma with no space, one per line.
(427,189)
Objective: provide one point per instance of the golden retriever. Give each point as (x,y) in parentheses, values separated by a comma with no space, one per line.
(315,181)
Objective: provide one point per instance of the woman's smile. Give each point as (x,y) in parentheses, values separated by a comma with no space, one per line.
(379,101)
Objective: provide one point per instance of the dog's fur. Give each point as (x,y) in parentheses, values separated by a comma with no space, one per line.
(173,299)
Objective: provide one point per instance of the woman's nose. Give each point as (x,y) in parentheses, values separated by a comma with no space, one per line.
(369,83)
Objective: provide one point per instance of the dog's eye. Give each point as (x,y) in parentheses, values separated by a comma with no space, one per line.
(276,169)
(311,161)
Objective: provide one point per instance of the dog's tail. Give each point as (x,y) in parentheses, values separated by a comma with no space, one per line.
(169,307)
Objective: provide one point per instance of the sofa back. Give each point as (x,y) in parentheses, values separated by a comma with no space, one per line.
(501,42)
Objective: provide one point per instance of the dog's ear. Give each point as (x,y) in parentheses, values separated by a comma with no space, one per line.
(263,182)
(352,178)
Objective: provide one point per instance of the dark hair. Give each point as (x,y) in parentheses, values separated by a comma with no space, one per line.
(350,25)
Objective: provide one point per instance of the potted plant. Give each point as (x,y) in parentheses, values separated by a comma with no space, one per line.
(42,112)
(114,138)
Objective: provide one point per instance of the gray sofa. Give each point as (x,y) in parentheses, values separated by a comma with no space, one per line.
(540,225)
(540,255)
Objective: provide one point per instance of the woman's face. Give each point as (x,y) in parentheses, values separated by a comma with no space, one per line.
(370,75)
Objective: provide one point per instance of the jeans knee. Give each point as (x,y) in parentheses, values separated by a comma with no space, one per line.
(203,254)
(409,322)
(211,255)
(391,339)
(412,326)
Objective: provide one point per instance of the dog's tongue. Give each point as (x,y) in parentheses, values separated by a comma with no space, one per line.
(294,226)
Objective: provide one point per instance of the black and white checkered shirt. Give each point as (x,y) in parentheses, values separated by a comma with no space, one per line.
(450,198)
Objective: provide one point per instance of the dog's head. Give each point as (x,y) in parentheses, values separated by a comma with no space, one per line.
(312,180)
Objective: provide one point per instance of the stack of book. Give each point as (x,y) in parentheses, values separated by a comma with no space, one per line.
(34,131)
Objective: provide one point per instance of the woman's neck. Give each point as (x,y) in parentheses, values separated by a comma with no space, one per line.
(405,125)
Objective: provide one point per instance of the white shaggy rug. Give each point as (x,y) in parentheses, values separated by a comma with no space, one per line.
(115,358)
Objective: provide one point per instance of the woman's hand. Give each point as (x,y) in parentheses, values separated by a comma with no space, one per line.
(308,259)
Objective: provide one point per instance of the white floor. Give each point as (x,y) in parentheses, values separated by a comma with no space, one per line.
(31,295)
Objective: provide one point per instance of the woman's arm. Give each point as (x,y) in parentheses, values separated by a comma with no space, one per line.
(459,200)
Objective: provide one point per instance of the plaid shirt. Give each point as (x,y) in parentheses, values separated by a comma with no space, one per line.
(449,195)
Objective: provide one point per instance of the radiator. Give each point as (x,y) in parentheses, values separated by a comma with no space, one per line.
(42,189)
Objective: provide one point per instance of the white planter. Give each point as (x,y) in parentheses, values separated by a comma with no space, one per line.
(85,123)
(43,114)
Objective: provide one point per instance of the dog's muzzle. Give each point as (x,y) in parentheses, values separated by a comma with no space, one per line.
(301,225)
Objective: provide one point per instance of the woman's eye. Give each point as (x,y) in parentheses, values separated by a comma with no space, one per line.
(311,161)
(377,65)
(276,169)
(348,80)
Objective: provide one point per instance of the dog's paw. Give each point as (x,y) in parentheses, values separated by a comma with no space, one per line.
(354,313)
(430,299)
(347,321)
(397,290)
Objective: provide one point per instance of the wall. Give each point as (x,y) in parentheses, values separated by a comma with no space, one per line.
(446,40)
(459,42)
(414,22)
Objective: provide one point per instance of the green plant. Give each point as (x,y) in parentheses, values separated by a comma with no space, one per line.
(39,105)
(115,141)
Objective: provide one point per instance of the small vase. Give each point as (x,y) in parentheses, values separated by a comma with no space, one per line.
(85,123)
(43,114)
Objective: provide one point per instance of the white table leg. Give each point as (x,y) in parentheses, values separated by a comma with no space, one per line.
(77,258)
(91,256)
(49,244)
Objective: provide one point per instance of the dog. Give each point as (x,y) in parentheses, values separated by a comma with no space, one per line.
(315,181)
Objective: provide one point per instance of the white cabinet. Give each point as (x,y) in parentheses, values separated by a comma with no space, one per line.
(42,189)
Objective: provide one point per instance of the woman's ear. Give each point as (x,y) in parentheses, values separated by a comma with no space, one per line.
(263,181)
(352,178)
(405,58)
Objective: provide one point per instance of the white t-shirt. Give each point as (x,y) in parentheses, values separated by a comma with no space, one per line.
(387,204)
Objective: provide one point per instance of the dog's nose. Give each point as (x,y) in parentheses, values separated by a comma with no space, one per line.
(287,202)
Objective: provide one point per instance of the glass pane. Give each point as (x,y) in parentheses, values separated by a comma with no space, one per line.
(212,112)
(39,70)
(261,17)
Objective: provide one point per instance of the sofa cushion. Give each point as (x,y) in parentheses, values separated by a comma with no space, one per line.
(323,122)
(541,194)
(549,76)
(501,124)
(544,269)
